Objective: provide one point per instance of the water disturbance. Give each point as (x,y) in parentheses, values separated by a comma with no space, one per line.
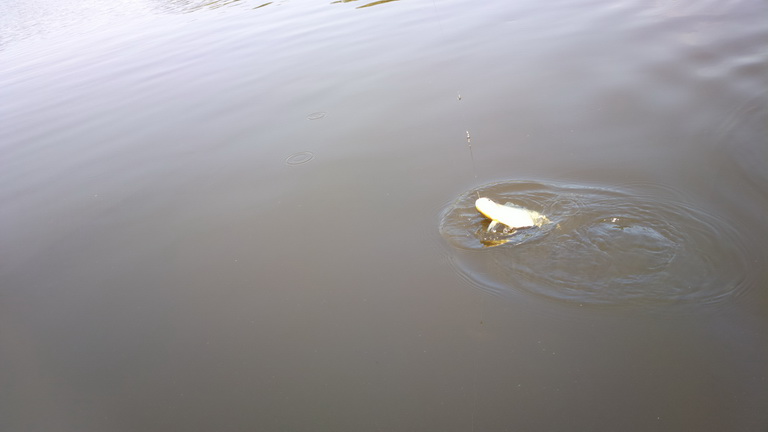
(299,158)
(602,246)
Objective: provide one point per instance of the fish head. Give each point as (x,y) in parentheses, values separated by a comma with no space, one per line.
(486,206)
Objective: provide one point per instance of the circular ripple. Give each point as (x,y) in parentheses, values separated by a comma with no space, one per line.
(602,246)
(316,115)
(300,158)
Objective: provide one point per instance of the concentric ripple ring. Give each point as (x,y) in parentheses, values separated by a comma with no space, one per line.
(299,158)
(603,246)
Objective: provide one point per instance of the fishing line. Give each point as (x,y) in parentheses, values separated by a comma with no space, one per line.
(476,360)
(469,141)
(459,98)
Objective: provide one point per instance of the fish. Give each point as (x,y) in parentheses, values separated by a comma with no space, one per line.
(508,214)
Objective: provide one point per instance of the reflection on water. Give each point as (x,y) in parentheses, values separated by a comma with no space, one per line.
(196,5)
(365,5)
(40,18)
(606,246)
(21,20)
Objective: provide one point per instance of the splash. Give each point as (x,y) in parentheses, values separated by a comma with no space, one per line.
(603,246)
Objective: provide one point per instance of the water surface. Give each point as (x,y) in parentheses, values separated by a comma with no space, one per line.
(227,215)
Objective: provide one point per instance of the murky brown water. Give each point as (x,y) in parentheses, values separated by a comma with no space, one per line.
(238,216)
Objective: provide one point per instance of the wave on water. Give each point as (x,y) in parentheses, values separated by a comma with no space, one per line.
(602,246)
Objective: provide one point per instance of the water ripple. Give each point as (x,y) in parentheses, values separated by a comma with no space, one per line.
(299,158)
(603,246)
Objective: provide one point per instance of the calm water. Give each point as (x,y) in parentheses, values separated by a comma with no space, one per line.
(237,216)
